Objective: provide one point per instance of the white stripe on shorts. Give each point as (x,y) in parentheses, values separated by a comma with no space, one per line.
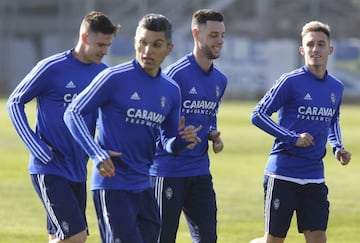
(269,191)
(108,232)
(50,212)
(159,185)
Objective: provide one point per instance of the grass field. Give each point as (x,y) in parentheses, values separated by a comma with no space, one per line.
(237,172)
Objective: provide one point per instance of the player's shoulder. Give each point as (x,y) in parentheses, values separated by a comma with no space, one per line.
(51,64)
(218,72)
(296,73)
(178,66)
(122,67)
(170,81)
(291,76)
(54,59)
(336,81)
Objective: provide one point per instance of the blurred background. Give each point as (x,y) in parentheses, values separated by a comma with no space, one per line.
(262,36)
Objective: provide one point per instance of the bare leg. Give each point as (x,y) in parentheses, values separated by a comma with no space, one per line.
(78,238)
(317,236)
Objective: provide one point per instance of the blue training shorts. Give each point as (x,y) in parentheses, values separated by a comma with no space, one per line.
(126,216)
(195,196)
(282,198)
(65,204)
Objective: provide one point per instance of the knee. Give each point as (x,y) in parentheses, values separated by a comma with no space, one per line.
(315,236)
(78,238)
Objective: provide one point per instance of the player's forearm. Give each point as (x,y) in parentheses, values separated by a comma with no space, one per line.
(77,127)
(31,140)
(265,123)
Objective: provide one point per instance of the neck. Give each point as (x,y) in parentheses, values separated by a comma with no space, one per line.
(78,54)
(204,62)
(318,71)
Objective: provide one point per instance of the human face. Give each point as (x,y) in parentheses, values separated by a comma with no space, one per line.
(151,49)
(316,49)
(96,46)
(210,39)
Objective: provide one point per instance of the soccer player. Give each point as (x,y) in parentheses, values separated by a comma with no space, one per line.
(57,162)
(308,102)
(138,104)
(184,182)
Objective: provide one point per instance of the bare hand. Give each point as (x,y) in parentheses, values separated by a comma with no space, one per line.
(217,145)
(343,156)
(305,140)
(106,167)
(189,133)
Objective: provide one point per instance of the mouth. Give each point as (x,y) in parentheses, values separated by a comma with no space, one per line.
(147,60)
(217,48)
(99,58)
(316,56)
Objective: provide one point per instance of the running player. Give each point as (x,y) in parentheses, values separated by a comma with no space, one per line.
(138,104)
(308,101)
(57,162)
(184,182)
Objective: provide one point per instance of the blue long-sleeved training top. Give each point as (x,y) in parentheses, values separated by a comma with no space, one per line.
(53,82)
(135,109)
(304,103)
(201,93)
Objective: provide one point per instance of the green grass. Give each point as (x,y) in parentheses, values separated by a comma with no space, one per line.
(237,172)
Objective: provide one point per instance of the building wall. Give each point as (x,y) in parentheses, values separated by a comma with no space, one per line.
(32,30)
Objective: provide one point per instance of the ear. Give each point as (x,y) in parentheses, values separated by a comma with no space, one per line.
(195,33)
(301,50)
(84,37)
(170,48)
(331,50)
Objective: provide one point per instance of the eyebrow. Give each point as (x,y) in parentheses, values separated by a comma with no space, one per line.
(144,39)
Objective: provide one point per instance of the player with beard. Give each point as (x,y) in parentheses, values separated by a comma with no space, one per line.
(184,182)
(137,103)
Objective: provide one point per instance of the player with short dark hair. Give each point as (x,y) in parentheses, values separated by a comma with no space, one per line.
(308,102)
(138,104)
(57,162)
(184,182)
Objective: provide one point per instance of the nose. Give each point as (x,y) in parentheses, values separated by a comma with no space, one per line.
(316,47)
(147,48)
(220,39)
(105,50)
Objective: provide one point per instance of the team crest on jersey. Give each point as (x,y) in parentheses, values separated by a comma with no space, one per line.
(333,98)
(162,102)
(65,226)
(276,203)
(169,193)
(217,90)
